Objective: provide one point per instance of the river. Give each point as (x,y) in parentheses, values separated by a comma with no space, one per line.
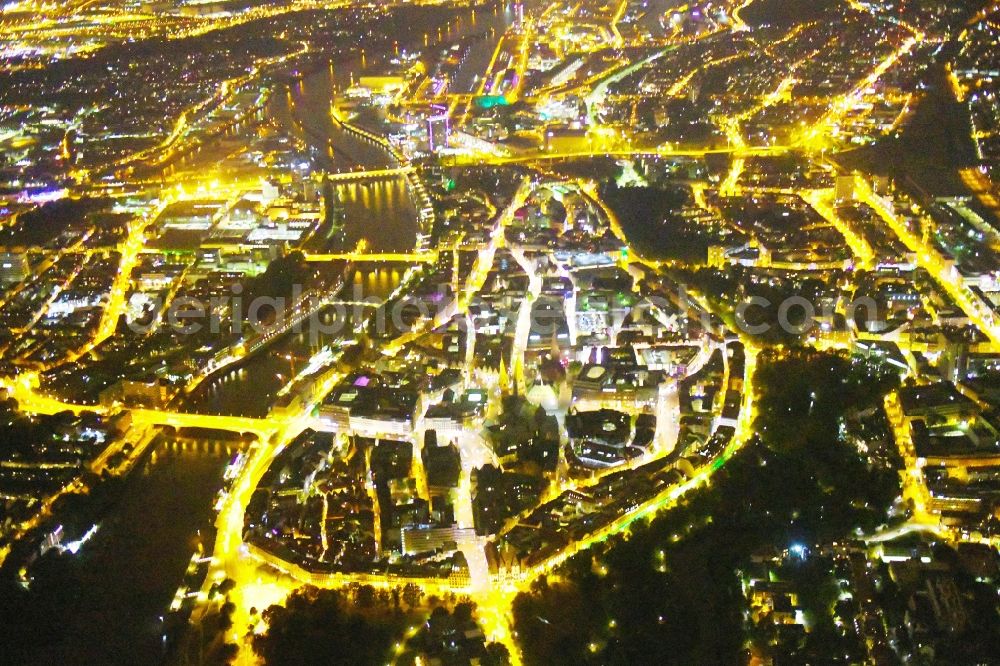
(250,388)
(125,576)
(129,571)
(381,211)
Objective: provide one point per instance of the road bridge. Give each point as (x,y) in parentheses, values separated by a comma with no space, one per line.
(370,174)
(554,156)
(241,424)
(366,257)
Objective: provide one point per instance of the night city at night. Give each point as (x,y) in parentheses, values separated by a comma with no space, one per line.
(499,332)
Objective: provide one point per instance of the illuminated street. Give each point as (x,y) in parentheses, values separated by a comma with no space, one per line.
(614,331)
